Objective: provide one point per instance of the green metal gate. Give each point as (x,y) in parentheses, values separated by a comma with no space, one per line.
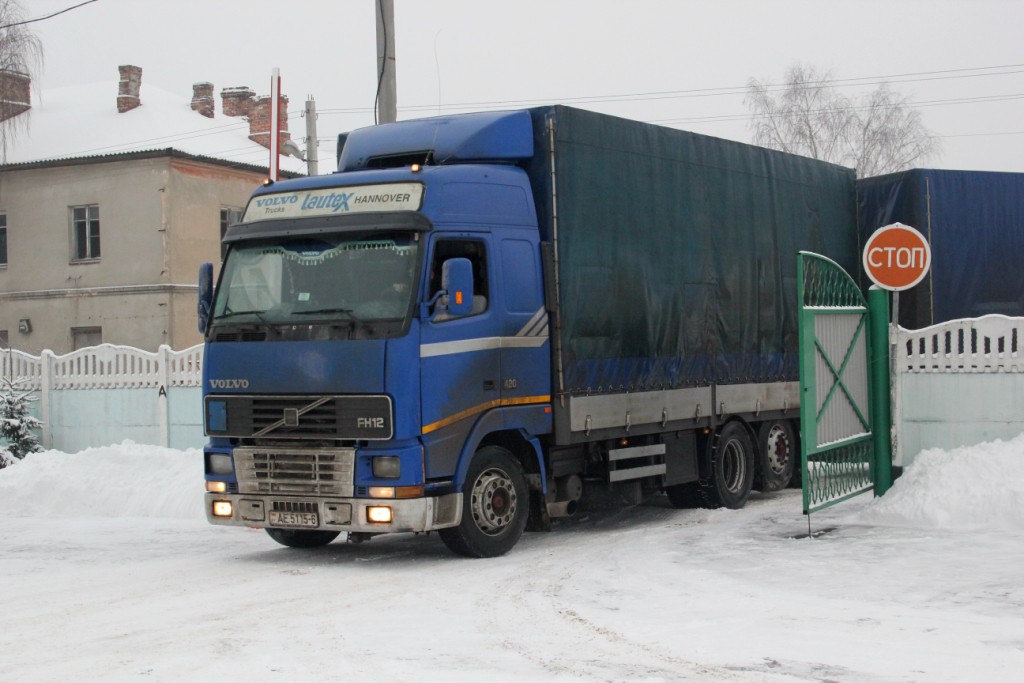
(844,427)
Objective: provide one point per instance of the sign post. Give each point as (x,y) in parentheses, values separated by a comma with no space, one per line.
(896,257)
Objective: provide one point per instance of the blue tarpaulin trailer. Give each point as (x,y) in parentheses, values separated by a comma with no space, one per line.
(974,222)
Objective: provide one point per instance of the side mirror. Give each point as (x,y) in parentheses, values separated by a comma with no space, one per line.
(205,296)
(457,282)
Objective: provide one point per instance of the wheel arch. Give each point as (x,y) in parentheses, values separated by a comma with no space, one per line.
(515,429)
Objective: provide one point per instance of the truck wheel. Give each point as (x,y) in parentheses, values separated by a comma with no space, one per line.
(776,451)
(298,538)
(729,471)
(495,506)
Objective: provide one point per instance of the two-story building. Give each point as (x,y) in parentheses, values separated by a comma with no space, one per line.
(110,199)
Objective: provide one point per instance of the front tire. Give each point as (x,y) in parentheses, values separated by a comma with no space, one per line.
(729,469)
(300,538)
(495,506)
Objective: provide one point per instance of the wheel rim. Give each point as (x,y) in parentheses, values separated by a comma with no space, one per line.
(493,501)
(734,465)
(778,449)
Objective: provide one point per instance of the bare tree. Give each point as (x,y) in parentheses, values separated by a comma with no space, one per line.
(21,53)
(877,133)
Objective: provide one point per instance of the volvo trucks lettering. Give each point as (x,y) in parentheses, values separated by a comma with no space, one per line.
(435,339)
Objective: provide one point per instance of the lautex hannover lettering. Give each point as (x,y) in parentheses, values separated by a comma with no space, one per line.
(336,201)
(339,201)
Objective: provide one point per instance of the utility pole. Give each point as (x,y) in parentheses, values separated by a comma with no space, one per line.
(387,96)
(312,161)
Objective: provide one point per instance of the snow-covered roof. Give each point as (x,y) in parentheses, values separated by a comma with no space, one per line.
(82,121)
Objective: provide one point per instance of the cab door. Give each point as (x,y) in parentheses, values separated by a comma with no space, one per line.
(460,365)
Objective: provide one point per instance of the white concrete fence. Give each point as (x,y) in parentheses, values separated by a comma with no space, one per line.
(106,394)
(957,384)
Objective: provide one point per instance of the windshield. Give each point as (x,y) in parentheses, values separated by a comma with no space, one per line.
(345,278)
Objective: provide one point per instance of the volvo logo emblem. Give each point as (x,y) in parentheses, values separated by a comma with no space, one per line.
(291,417)
(229,383)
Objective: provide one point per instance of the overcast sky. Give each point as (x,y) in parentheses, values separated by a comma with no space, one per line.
(642,59)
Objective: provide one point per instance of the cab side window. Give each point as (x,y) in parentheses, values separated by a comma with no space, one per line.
(476,252)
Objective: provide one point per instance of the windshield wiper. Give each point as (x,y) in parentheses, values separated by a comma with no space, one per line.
(231,314)
(321,311)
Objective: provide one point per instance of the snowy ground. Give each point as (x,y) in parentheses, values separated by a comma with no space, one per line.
(108,571)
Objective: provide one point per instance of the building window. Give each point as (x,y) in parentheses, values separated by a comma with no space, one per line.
(5,341)
(85,232)
(82,337)
(3,240)
(228,217)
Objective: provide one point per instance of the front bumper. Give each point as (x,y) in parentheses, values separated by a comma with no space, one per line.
(340,514)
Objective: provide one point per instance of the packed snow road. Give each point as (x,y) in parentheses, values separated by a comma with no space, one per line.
(109,572)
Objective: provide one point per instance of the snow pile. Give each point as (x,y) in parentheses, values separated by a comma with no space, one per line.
(124,480)
(977,487)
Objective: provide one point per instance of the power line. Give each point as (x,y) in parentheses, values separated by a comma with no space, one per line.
(918,104)
(48,16)
(946,74)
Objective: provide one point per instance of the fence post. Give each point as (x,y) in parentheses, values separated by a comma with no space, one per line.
(881,404)
(163,407)
(45,380)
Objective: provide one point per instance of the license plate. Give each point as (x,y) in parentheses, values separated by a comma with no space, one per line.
(294,519)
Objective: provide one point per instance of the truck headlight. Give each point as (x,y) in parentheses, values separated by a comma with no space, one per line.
(387,467)
(219,463)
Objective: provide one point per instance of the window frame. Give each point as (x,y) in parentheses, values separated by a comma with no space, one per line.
(83,331)
(4,244)
(229,215)
(93,252)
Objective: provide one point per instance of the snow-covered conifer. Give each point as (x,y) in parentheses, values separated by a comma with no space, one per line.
(17,427)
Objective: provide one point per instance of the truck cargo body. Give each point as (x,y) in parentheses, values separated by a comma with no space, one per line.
(625,318)
(974,224)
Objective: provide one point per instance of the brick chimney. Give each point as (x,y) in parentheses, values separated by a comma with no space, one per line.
(202,99)
(128,88)
(259,121)
(237,101)
(15,95)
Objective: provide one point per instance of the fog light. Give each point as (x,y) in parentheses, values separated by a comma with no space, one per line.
(382,492)
(217,486)
(222,508)
(387,467)
(380,514)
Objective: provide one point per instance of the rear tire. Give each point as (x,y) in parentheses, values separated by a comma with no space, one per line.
(776,451)
(495,506)
(728,474)
(300,538)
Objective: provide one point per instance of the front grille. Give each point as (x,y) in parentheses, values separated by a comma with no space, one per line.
(240,336)
(355,417)
(317,420)
(295,471)
(293,506)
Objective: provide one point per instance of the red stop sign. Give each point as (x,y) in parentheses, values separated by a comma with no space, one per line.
(897,257)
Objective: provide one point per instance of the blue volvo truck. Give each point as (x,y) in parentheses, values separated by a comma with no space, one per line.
(481,320)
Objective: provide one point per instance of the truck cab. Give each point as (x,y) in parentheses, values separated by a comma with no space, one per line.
(373,330)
